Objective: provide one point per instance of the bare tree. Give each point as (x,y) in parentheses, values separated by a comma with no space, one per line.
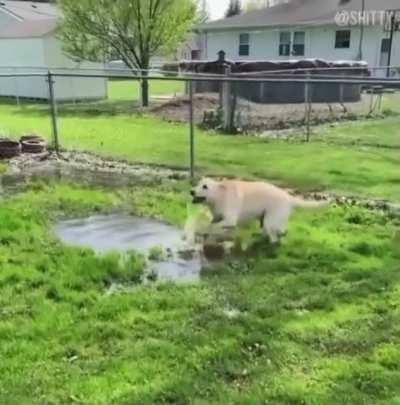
(203,11)
(234,8)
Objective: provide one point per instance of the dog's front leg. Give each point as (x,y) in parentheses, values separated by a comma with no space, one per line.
(225,220)
(222,230)
(228,222)
(217,219)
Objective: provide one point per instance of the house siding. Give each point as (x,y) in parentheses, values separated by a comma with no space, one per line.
(24,52)
(44,53)
(70,88)
(21,52)
(319,43)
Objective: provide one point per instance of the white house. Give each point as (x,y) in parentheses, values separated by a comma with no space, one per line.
(190,49)
(308,29)
(28,42)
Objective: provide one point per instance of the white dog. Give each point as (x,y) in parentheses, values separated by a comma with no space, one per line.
(234,202)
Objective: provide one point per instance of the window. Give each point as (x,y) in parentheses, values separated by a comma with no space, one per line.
(244,44)
(342,39)
(284,44)
(292,43)
(298,43)
(385,47)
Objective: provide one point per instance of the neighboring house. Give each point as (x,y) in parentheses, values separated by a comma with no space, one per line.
(190,49)
(28,42)
(302,29)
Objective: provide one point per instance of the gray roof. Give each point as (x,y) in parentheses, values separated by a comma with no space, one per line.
(29,29)
(26,10)
(28,19)
(296,12)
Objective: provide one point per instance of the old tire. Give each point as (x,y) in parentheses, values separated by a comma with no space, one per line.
(31,137)
(9,148)
(33,143)
(33,146)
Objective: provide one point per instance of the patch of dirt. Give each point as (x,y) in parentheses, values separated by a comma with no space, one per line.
(89,161)
(84,168)
(368,203)
(98,170)
(177,109)
(254,117)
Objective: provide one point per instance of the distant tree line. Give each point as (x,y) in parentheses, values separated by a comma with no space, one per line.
(234,8)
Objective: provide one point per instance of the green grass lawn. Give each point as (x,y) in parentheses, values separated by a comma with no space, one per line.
(315,322)
(349,163)
(129,89)
(391,102)
(363,133)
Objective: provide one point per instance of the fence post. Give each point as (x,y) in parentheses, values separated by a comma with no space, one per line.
(16,88)
(341,90)
(227,102)
(371,101)
(191,129)
(221,63)
(221,96)
(341,93)
(262,90)
(53,111)
(307,100)
(380,102)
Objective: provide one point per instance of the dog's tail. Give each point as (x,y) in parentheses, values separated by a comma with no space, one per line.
(300,203)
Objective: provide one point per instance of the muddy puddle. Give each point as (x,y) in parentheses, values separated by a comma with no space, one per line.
(122,233)
(117,232)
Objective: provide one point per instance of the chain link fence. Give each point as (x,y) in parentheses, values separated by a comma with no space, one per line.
(100,111)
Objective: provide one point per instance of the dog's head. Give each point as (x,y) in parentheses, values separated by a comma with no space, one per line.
(207,191)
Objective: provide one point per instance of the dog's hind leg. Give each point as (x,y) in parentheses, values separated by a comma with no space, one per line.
(275,224)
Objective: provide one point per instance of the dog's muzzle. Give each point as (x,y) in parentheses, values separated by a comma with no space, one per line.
(196,199)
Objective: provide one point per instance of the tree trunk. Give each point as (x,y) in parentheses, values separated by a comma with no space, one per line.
(144,92)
